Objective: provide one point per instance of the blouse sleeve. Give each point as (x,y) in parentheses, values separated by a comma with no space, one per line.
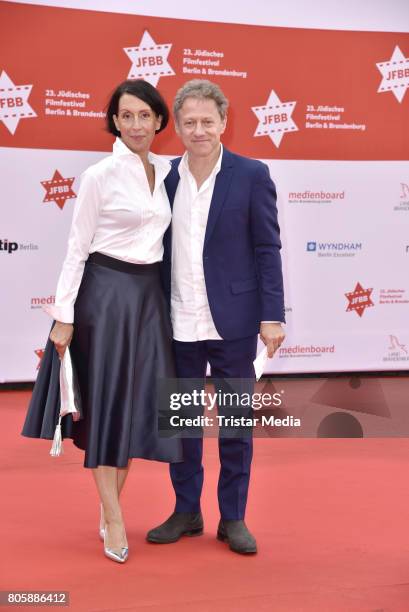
(83,226)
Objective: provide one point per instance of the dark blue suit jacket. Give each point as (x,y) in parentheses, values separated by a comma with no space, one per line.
(241,253)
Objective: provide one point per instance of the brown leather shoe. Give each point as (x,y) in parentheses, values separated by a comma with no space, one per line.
(238,537)
(176,526)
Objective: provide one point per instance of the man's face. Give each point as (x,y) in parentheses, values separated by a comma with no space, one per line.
(199,125)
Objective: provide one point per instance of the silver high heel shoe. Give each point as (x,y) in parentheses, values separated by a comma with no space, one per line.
(119,557)
(101,529)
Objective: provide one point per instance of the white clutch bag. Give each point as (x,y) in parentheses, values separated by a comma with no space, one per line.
(70,400)
(260,363)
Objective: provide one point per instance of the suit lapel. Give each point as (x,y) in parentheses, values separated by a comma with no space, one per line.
(172,180)
(221,188)
(171,184)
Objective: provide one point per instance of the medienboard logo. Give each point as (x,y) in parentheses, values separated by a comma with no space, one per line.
(315,197)
(39,302)
(11,246)
(334,249)
(310,350)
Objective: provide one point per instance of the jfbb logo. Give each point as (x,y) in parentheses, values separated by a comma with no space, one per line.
(11,102)
(58,189)
(14,104)
(395,73)
(274,119)
(277,118)
(149,60)
(359,299)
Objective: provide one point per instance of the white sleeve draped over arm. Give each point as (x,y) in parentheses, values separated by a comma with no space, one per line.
(83,227)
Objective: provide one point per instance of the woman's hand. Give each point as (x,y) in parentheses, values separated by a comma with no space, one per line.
(61,335)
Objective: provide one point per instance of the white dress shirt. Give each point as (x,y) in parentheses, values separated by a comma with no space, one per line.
(190,312)
(115,214)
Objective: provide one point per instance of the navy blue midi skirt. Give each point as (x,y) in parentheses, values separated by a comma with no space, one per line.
(121,347)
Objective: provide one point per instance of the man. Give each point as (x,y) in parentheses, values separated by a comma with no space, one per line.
(226,287)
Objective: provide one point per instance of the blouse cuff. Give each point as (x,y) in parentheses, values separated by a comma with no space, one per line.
(64,314)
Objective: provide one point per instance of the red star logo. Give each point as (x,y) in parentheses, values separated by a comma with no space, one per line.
(359,299)
(58,189)
(40,355)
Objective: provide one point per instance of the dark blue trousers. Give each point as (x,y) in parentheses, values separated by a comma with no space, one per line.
(227,359)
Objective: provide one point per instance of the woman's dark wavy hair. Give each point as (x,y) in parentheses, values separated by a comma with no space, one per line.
(142,90)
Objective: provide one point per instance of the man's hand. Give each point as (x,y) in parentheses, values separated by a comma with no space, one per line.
(272,334)
(61,335)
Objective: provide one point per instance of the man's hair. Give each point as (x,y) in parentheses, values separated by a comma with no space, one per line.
(145,92)
(203,90)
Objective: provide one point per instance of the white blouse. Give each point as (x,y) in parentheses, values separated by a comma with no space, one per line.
(115,214)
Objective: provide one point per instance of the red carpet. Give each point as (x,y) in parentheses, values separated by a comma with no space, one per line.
(330,517)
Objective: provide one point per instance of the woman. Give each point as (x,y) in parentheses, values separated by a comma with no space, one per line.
(110,310)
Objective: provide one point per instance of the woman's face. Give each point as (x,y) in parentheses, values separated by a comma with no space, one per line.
(137,123)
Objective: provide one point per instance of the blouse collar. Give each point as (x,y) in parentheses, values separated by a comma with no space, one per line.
(162,165)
